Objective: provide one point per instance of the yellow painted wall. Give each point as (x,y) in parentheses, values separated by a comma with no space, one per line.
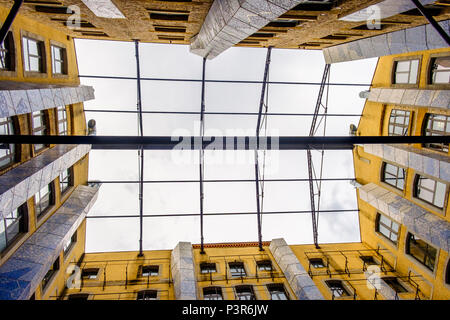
(368,168)
(22,23)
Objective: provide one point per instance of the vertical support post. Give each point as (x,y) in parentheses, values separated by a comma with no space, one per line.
(309,155)
(141,151)
(202,155)
(431,20)
(9,20)
(258,129)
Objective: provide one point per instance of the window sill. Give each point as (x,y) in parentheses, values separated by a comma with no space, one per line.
(35,74)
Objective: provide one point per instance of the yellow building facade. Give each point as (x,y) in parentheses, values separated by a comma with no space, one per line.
(402,190)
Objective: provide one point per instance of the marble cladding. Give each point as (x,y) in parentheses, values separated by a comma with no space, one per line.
(411,97)
(420,160)
(183,272)
(297,277)
(426,225)
(230,21)
(419,38)
(21,183)
(21,274)
(15,102)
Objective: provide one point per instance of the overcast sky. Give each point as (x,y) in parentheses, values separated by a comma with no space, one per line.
(175,61)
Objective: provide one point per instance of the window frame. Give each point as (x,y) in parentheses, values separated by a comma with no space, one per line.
(409,237)
(394,283)
(69,245)
(312,262)
(42,56)
(251,292)
(397,177)
(262,265)
(62,182)
(416,190)
(394,71)
(9,46)
(207,266)
(389,228)
(51,201)
(344,287)
(147,291)
(397,113)
(10,123)
(430,83)
(217,292)
(44,128)
(22,211)
(425,130)
(64,120)
(87,274)
(50,275)
(270,287)
(234,274)
(62,60)
(141,270)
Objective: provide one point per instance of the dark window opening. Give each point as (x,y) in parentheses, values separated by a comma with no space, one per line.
(50,273)
(208,267)
(284,24)
(277,291)
(170,29)
(90,274)
(78,296)
(169,16)
(317,263)
(147,295)
(264,265)
(421,251)
(395,284)
(7,53)
(212,293)
(237,269)
(150,271)
(245,293)
(337,288)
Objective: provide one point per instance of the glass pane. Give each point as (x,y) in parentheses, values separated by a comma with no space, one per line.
(33,47)
(57,53)
(58,68)
(34,64)
(440,194)
(391,169)
(425,195)
(401,78)
(427,183)
(442,77)
(384,231)
(403,66)
(414,71)
(2,236)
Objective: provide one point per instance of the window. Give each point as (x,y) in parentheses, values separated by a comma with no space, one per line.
(368,260)
(393,175)
(399,122)
(207,267)
(50,273)
(89,274)
(237,269)
(406,71)
(69,244)
(78,296)
(440,70)
(44,199)
(212,293)
(65,180)
(58,60)
(264,265)
(33,55)
(61,121)
(430,191)
(421,251)
(147,295)
(277,292)
(337,288)
(148,271)
(7,53)
(40,127)
(395,284)
(7,156)
(387,227)
(245,293)
(316,263)
(437,125)
(12,225)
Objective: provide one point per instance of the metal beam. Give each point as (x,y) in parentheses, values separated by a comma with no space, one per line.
(309,155)
(258,130)
(225,113)
(218,181)
(227,81)
(141,151)
(221,142)
(432,21)
(218,214)
(202,154)
(10,19)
